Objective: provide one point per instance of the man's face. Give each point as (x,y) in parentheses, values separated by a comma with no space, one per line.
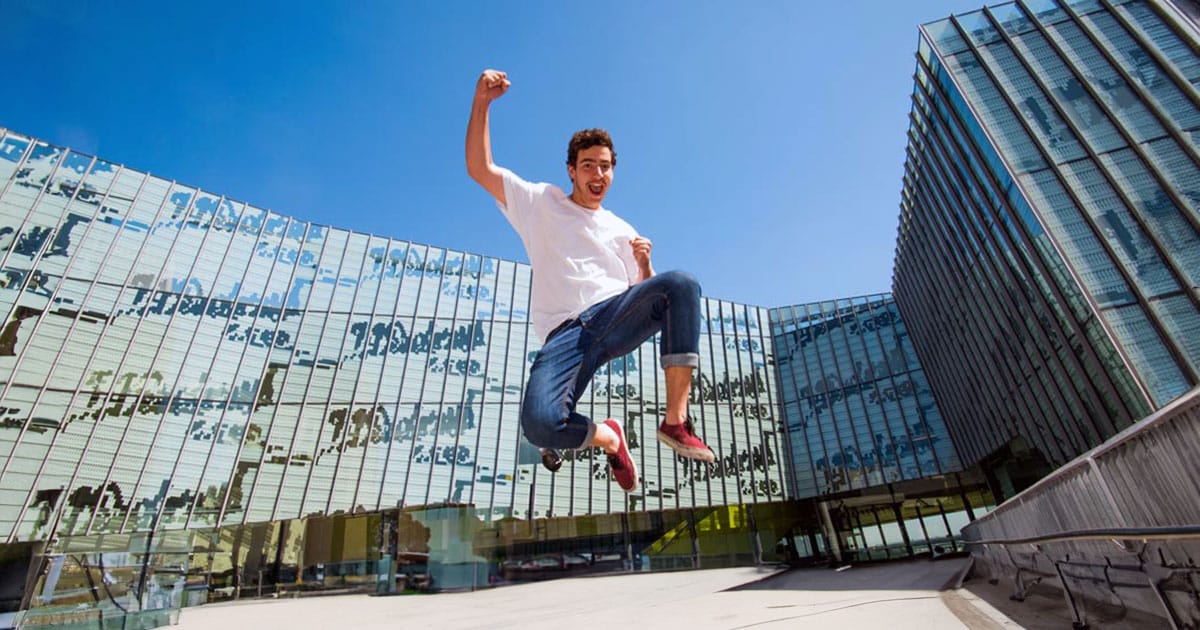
(591,174)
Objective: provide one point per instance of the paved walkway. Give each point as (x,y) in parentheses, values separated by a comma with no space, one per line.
(894,595)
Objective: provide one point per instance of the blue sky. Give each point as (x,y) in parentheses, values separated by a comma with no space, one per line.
(760,144)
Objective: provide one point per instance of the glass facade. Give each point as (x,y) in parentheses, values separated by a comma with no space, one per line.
(206,399)
(173,359)
(1048,254)
(859,412)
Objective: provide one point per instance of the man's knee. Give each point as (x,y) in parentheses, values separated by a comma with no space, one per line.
(538,423)
(682,282)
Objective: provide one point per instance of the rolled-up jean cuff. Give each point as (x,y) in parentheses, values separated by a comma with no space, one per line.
(685,359)
(587,439)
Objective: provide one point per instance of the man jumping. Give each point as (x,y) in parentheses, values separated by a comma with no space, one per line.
(595,294)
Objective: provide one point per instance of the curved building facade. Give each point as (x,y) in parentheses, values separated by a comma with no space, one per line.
(176,359)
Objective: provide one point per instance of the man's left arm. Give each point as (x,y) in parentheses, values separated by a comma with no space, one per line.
(641,253)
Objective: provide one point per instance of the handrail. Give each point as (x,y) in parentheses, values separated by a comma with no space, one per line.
(1118,533)
(1163,415)
(1133,490)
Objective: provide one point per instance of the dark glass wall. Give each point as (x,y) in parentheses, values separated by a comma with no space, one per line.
(859,411)
(1049,243)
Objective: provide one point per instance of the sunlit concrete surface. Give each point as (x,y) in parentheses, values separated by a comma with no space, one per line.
(892,595)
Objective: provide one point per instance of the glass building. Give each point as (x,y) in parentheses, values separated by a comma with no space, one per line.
(1048,256)
(221,397)
(859,412)
(868,444)
(202,362)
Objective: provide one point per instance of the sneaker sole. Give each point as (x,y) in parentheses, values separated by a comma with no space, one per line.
(704,455)
(552,460)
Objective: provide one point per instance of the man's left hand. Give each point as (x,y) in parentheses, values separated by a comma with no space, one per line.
(641,250)
(641,253)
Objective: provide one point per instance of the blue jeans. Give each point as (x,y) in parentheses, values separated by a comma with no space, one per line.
(668,303)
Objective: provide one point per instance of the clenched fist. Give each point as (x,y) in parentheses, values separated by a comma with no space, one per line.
(492,85)
(641,253)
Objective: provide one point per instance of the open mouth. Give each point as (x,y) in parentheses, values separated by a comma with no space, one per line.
(595,189)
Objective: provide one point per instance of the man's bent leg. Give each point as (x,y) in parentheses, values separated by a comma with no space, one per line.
(668,303)
(548,415)
(677,430)
(559,374)
(679,387)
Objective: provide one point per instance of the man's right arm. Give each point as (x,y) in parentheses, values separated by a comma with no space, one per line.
(491,85)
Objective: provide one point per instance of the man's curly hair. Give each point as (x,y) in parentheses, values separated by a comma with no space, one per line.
(587,139)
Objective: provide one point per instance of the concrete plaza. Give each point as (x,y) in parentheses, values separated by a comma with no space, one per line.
(912,594)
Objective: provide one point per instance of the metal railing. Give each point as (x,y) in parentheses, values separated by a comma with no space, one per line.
(1119,525)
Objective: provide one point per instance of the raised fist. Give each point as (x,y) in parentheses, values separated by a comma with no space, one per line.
(492,84)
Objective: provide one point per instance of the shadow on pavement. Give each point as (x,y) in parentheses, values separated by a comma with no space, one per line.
(897,575)
(1045,608)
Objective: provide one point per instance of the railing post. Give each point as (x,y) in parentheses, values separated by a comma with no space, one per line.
(1078,623)
(1108,493)
(1166,603)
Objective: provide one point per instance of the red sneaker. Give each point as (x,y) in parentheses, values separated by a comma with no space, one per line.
(621,464)
(682,439)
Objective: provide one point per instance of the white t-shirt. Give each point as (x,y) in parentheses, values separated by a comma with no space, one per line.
(579,256)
